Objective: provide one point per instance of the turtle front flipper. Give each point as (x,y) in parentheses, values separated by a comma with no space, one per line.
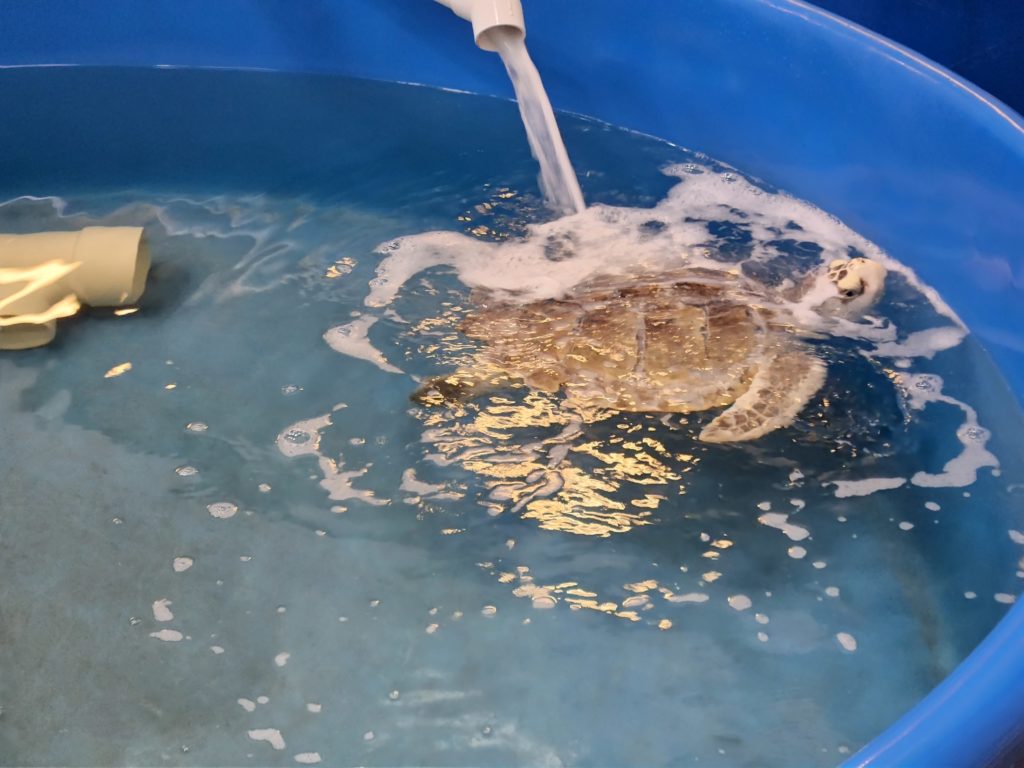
(779,390)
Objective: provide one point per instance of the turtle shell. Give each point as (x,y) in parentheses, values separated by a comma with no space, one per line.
(680,342)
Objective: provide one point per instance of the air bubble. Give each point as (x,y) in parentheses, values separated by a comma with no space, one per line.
(196,426)
(186,471)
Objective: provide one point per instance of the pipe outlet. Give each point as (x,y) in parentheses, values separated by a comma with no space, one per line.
(488,15)
(48,275)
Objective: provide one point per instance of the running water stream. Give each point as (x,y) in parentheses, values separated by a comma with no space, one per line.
(557,178)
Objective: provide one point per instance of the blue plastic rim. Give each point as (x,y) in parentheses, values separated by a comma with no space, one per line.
(914,158)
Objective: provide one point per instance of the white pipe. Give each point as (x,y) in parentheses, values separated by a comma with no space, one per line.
(47,275)
(486,15)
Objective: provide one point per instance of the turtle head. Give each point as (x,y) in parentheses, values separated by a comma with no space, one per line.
(859,283)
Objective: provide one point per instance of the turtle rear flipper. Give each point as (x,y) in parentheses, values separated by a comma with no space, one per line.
(458,387)
(778,392)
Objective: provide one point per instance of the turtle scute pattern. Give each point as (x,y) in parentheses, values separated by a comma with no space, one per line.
(676,343)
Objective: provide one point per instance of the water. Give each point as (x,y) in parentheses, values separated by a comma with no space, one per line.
(557,178)
(251,538)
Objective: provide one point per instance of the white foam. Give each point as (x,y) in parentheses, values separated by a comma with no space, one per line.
(689,597)
(161,611)
(847,641)
(962,470)
(593,243)
(351,339)
(168,635)
(270,735)
(412,484)
(739,602)
(303,439)
(247,704)
(282,658)
(308,758)
(1016,536)
(181,564)
(926,343)
(778,520)
(865,487)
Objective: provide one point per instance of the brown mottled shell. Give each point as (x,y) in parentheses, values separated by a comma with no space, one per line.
(679,342)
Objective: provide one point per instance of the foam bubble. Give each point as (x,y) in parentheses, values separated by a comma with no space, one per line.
(865,487)
(962,470)
(270,735)
(847,641)
(778,521)
(222,509)
(162,611)
(168,635)
(739,602)
(351,339)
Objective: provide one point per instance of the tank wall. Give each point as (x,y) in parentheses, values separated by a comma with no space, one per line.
(915,159)
(980,41)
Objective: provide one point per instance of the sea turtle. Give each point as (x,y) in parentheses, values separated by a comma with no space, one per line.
(681,341)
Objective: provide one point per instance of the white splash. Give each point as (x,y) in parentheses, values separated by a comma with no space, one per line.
(593,242)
